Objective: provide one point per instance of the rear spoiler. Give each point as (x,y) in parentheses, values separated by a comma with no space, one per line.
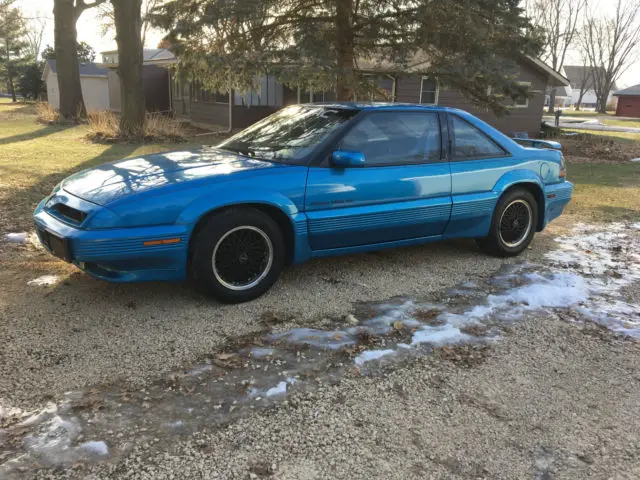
(532,142)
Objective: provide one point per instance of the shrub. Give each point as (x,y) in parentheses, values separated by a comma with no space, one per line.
(46,113)
(104,126)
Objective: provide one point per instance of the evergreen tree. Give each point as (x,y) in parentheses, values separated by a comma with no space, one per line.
(86,53)
(469,45)
(12,44)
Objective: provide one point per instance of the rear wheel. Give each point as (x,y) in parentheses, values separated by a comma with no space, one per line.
(237,255)
(513,224)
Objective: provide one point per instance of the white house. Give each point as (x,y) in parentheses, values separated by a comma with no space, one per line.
(581,79)
(93,81)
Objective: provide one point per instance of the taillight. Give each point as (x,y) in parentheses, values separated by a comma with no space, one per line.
(563,167)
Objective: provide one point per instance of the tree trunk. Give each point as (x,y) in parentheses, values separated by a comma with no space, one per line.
(65,36)
(552,100)
(12,88)
(344,48)
(128,27)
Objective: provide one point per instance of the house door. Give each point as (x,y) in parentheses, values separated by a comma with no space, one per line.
(402,192)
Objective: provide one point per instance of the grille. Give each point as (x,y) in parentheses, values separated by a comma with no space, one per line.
(68,213)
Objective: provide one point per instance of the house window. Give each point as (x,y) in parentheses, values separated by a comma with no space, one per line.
(429,91)
(523,101)
(201,94)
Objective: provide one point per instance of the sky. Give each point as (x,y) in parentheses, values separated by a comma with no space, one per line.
(89,31)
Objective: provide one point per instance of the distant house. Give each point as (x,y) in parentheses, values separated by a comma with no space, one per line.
(101,83)
(94,81)
(192,102)
(156,56)
(628,102)
(581,80)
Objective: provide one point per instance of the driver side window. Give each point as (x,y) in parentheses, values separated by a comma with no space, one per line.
(395,138)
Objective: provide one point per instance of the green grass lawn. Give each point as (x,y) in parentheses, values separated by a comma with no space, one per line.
(35,157)
(605,192)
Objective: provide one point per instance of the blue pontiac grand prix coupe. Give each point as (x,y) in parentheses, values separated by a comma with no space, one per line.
(309,181)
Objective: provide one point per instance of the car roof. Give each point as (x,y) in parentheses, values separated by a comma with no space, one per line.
(384,106)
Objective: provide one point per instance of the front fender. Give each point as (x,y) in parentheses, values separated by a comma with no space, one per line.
(235,196)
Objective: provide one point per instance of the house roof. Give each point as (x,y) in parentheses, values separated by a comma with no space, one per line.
(151,54)
(575,74)
(565,91)
(420,62)
(631,91)
(554,79)
(86,69)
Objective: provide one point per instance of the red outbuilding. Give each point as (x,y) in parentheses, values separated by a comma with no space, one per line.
(628,102)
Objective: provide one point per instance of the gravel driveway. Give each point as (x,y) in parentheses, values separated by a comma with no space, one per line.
(533,394)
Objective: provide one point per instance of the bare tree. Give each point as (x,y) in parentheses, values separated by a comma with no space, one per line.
(609,43)
(65,15)
(34,33)
(586,80)
(559,20)
(107,18)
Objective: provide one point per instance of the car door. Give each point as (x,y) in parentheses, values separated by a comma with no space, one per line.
(403,190)
(477,163)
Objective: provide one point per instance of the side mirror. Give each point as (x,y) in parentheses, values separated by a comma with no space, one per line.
(344,158)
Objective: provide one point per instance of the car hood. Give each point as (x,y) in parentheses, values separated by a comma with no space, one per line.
(112,181)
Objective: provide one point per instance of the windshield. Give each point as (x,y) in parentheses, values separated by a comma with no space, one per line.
(288,135)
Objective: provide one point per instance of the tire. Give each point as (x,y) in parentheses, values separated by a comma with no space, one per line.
(508,238)
(237,255)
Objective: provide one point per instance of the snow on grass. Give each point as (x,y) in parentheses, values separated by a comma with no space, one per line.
(369,355)
(44,281)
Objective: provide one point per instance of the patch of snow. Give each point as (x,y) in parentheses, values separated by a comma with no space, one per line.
(44,281)
(334,340)
(207,367)
(261,352)
(635,159)
(281,388)
(95,447)
(176,424)
(444,335)
(369,355)
(20,237)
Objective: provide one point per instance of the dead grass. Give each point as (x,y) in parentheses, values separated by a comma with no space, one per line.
(104,128)
(46,113)
(601,147)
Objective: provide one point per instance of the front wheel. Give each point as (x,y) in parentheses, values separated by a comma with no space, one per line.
(237,255)
(513,224)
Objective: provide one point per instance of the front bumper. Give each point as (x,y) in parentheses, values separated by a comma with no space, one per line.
(557,196)
(117,255)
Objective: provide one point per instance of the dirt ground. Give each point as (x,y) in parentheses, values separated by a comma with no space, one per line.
(159,382)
